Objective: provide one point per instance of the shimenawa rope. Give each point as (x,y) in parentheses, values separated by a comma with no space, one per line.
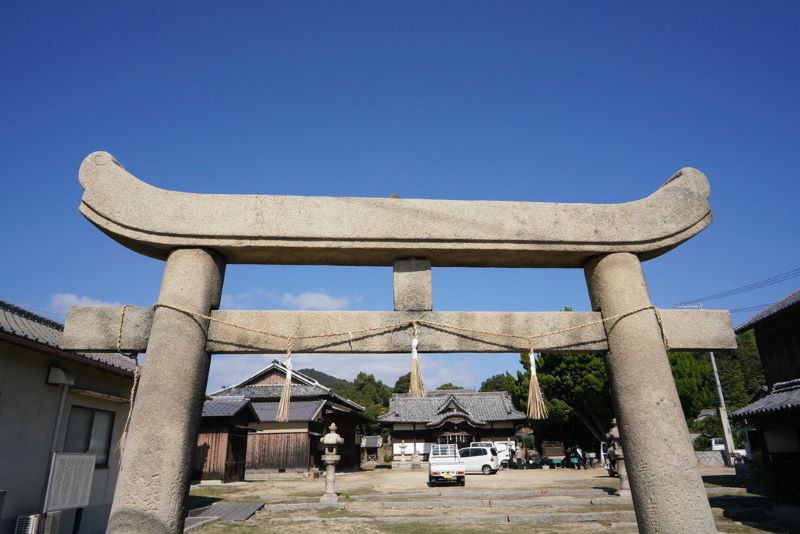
(134,385)
(416,371)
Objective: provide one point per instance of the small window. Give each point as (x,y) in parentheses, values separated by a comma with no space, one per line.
(464,453)
(89,430)
(478,452)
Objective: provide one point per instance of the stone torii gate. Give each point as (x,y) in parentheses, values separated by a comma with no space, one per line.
(197,235)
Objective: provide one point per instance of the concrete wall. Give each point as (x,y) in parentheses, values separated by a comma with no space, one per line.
(28,409)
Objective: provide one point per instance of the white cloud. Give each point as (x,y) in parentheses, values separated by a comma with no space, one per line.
(60,302)
(247,300)
(314,300)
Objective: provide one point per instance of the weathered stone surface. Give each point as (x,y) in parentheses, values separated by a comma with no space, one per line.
(412,285)
(668,492)
(378,231)
(155,472)
(95,330)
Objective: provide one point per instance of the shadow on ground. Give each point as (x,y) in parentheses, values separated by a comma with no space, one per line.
(196,501)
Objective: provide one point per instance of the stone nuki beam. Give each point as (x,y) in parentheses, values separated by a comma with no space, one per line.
(297,230)
(95,330)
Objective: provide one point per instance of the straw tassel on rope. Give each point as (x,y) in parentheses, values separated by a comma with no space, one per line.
(286,392)
(536,406)
(416,386)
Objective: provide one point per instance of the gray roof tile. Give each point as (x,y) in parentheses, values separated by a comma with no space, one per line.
(273,391)
(784,305)
(783,397)
(224,407)
(24,324)
(307,388)
(479,406)
(299,410)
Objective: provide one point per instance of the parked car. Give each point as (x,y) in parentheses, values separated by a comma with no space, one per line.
(503,452)
(445,465)
(480,460)
(715,444)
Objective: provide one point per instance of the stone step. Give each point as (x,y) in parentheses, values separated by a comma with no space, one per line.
(622,517)
(455,492)
(487,503)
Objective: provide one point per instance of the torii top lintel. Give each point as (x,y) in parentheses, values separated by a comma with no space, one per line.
(269,229)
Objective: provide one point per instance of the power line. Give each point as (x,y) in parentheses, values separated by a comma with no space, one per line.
(755,307)
(788,275)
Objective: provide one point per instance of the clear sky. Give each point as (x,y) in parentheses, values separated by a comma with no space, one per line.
(552,101)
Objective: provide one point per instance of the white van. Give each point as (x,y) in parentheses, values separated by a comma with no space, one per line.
(480,460)
(503,452)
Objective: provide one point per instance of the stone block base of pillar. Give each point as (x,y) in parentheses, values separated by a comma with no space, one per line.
(329,498)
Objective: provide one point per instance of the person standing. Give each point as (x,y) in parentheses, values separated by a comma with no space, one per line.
(519,456)
(580,457)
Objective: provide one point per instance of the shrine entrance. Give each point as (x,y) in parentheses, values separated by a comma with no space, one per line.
(197,235)
(461,439)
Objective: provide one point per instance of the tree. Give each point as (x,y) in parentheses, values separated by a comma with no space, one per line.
(710,427)
(575,385)
(449,386)
(694,381)
(403,383)
(370,393)
(740,372)
(500,382)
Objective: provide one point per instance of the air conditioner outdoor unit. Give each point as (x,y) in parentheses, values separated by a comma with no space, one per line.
(28,524)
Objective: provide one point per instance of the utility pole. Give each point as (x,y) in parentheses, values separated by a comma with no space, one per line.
(723,414)
(722,411)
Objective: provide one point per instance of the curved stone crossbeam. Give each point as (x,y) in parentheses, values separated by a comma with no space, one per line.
(268,229)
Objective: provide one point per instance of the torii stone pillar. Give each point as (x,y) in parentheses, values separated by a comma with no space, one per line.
(668,492)
(154,476)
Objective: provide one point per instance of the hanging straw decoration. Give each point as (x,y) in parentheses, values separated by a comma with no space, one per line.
(286,393)
(536,406)
(416,386)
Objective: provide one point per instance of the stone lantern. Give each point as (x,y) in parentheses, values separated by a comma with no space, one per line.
(330,443)
(622,472)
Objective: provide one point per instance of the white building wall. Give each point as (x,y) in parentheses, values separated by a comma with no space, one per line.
(28,409)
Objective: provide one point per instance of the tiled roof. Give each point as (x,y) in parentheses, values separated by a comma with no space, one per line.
(307,388)
(479,406)
(784,396)
(272,391)
(29,326)
(299,410)
(779,307)
(225,407)
(440,419)
(297,376)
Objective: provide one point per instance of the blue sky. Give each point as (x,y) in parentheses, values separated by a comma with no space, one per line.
(551,101)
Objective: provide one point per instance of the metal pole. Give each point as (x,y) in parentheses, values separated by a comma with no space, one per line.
(716,380)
